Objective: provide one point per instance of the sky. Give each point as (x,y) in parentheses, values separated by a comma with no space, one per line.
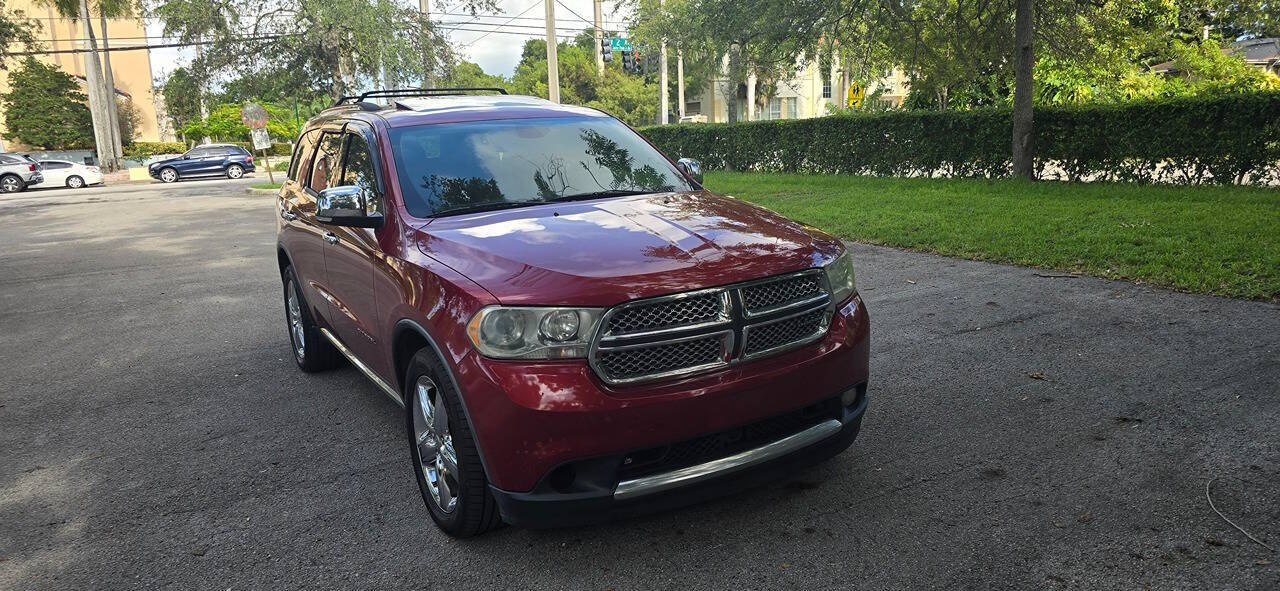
(497,52)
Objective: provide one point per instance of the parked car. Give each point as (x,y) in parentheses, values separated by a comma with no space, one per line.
(62,173)
(227,160)
(17,172)
(575,327)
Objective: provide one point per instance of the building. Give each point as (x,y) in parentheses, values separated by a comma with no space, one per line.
(1263,54)
(807,93)
(132,69)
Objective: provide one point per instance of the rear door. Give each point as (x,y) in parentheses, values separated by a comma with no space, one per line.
(300,234)
(55,173)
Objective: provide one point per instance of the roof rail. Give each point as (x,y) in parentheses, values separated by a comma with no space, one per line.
(408,92)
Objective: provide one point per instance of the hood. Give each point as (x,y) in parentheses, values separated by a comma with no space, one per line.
(602,252)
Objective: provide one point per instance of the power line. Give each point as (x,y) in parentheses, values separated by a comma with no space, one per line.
(508,21)
(562,5)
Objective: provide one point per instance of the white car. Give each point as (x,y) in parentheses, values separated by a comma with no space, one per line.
(61,173)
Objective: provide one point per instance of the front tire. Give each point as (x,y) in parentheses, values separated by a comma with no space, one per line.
(311,350)
(12,183)
(168,175)
(75,182)
(235,171)
(442,446)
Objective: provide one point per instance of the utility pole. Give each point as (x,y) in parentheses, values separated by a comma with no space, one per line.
(679,84)
(97,107)
(113,110)
(424,7)
(553,66)
(663,111)
(204,110)
(599,38)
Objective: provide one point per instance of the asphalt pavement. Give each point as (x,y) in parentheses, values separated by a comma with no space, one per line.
(1026,430)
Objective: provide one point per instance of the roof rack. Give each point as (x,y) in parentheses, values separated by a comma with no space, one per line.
(408,92)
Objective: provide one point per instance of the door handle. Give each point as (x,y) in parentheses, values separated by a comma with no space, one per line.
(330,237)
(287,215)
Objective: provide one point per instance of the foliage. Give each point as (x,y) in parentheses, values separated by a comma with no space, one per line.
(182,95)
(469,74)
(144,150)
(223,124)
(1229,139)
(15,30)
(44,107)
(1218,240)
(129,120)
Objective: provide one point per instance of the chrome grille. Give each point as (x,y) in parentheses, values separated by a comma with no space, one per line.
(763,338)
(762,297)
(625,364)
(682,334)
(697,309)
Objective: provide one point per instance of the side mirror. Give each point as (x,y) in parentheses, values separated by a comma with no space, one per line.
(344,206)
(691,168)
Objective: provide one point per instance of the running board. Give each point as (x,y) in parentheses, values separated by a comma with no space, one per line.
(364,369)
(740,461)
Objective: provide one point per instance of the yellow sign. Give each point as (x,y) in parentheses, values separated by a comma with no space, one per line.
(856,94)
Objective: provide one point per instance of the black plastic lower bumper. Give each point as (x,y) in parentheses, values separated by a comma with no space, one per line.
(542,510)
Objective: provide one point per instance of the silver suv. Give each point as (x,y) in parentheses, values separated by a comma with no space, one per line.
(17,172)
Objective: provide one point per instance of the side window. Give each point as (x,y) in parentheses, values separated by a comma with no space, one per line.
(56,165)
(357,170)
(325,172)
(198,153)
(302,157)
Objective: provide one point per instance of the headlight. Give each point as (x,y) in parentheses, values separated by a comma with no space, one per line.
(533,333)
(840,278)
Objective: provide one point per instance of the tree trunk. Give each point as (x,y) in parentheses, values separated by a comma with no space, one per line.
(97,102)
(113,110)
(1023,113)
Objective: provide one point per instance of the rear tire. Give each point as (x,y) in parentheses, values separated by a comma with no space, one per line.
(168,175)
(12,183)
(472,510)
(235,171)
(311,350)
(75,182)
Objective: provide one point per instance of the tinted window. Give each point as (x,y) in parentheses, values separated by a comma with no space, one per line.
(302,156)
(528,160)
(8,159)
(198,153)
(357,170)
(55,165)
(325,171)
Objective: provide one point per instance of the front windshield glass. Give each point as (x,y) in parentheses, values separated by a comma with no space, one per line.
(457,167)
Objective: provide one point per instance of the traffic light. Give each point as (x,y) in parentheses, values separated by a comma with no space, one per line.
(628,62)
(606,49)
(636,64)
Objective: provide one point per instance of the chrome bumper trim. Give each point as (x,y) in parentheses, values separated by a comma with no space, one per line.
(644,485)
(364,369)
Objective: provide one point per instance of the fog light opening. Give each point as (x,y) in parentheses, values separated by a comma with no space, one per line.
(562,478)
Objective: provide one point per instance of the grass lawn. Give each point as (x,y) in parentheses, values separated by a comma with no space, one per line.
(1218,240)
(267,186)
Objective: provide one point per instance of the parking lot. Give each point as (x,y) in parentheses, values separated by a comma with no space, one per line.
(1026,430)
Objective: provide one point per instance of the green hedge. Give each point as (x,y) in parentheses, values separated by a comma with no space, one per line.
(1230,139)
(144,150)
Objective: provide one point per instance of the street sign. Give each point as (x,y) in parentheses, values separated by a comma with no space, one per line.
(261,140)
(856,94)
(619,44)
(253,116)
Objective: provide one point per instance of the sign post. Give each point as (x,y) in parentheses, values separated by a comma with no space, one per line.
(255,118)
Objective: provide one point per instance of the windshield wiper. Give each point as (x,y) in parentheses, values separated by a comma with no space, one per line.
(599,194)
(490,206)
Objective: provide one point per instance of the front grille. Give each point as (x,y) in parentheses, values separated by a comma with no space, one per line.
(626,364)
(667,314)
(765,296)
(681,334)
(726,443)
(763,337)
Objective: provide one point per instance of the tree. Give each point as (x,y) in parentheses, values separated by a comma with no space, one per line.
(182,98)
(129,120)
(44,107)
(1023,112)
(16,30)
(224,124)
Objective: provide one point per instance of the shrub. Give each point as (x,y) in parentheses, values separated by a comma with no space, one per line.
(1226,139)
(144,150)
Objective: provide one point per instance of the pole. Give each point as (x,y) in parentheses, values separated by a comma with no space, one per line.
(751,96)
(204,110)
(271,178)
(599,38)
(553,65)
(424,7)
(680,83)
(663,109)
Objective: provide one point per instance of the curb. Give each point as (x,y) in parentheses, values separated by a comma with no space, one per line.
(253,191)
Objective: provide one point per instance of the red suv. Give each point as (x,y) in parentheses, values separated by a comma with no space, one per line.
(576,329)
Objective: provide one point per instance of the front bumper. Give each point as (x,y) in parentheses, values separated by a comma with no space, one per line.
(531,419)
(689,485)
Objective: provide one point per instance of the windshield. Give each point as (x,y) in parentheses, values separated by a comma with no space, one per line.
(458,167)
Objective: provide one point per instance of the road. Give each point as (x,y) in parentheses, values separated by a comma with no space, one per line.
(1025,431)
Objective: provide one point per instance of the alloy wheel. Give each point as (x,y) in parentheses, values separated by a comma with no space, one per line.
(296,329)
(437,457)
(168,175)
(75,182)
(9,185)
(235,172)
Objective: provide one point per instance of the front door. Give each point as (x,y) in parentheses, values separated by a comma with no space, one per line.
(300,234)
